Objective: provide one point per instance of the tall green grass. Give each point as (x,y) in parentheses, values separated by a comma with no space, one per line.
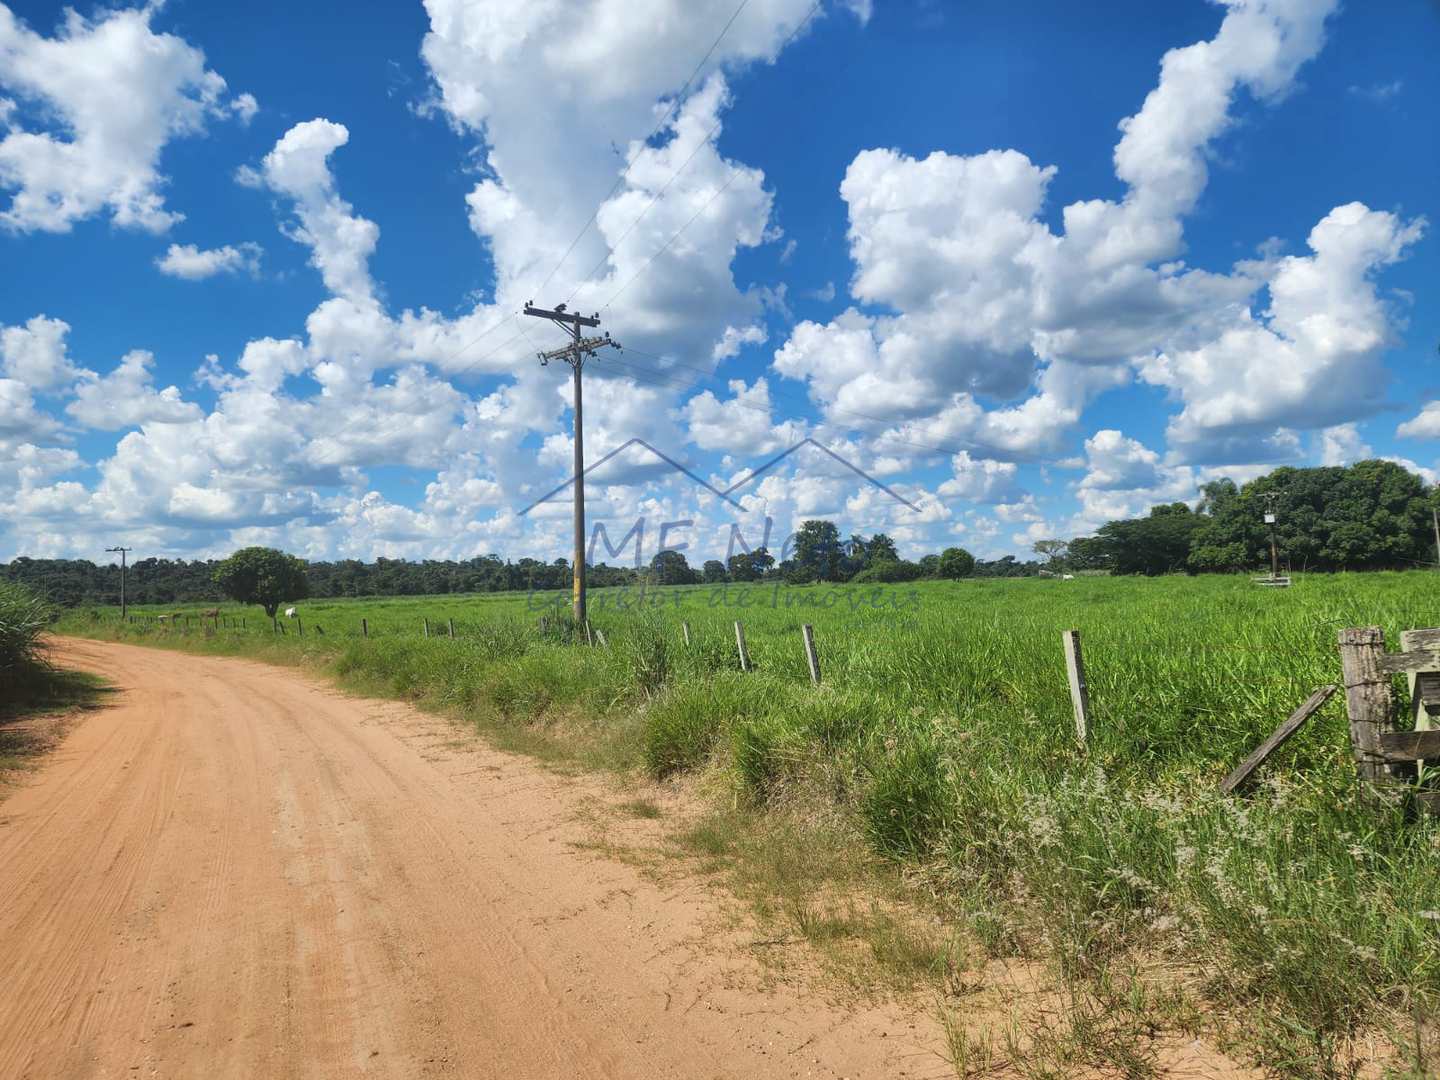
(23,618)
(1310,908)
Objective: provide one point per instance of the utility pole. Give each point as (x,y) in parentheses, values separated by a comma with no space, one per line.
(575,354)
(123,552)
(1435,518)
(1270,497)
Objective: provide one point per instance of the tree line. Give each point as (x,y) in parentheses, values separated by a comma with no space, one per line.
(819,555)
(1372,515)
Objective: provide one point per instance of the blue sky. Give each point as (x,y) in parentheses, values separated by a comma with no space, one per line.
(262,267)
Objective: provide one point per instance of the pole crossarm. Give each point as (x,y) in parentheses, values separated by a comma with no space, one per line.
(576,352)
(560,315)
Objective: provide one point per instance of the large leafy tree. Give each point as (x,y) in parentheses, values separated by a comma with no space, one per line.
(817,549)
(956,563)
(264,576)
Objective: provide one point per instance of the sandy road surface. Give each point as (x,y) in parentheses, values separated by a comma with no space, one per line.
(237,872)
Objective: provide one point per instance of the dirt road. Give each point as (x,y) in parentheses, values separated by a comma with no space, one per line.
(237,872)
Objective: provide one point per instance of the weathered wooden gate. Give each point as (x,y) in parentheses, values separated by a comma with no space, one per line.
(1383,754)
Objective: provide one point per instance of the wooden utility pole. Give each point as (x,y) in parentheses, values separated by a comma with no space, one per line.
(1270,497)
(123,552)
(1435,518)
(575,354)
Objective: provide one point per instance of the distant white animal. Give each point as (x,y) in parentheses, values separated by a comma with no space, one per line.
(289,612)
(1068,577)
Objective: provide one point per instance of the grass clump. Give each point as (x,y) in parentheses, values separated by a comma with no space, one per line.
(23,618)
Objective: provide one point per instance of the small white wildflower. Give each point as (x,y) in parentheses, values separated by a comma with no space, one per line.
(1184,856)
(1165,923)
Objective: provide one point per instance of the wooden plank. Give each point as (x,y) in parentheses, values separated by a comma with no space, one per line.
(1404,663)
(1410,745)
(1367,696)
(600,637)
(1416,641)
(1079,690)
(740,646)
(812,658)
(1277,739)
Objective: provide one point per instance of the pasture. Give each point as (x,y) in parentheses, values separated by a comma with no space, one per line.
(1304,911)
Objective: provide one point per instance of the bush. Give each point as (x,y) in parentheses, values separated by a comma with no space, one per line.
(23,617)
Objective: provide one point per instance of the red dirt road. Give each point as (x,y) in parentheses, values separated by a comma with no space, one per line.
(237,872)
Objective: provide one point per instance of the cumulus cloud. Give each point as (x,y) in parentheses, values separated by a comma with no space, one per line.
(341,242)
(989,301)
(1423,425)
(127,397)
(36,355)
(113,92)
(195,264)
(1125,478)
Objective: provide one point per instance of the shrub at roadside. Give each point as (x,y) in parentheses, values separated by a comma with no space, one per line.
(23,618)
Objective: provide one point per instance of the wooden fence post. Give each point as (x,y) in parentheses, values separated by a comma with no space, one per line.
(426,624)
(1079,689)
(299,626)
(364,627)
(685,631)
(807,632)
(1367,696)
(452,628)
(740,646)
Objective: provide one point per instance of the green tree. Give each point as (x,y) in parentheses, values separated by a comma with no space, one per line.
(670,568)
(1056,553)
(956,563)
(264,576)
(817,549)
(881,548)
(713,572)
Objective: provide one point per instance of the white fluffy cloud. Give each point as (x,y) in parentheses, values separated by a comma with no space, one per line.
(36,355)
(340,241)
(196,264)
(1124,478)
(1423,425)
(991,301)
(127,397)
(113,93)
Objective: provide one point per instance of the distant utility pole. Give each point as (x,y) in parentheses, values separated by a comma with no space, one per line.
(123,552)
(574,354)
(1270,497)
(1435,519)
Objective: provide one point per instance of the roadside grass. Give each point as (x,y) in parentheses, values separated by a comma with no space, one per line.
(935,771)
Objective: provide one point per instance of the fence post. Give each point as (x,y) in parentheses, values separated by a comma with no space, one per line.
(1367,696)
(364,627)
(452,628)
(685,630)
(1079,689)
(299,626)
(740,646)
(426,624)
(811,657)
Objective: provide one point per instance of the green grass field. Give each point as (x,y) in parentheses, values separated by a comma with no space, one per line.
(1302,913)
